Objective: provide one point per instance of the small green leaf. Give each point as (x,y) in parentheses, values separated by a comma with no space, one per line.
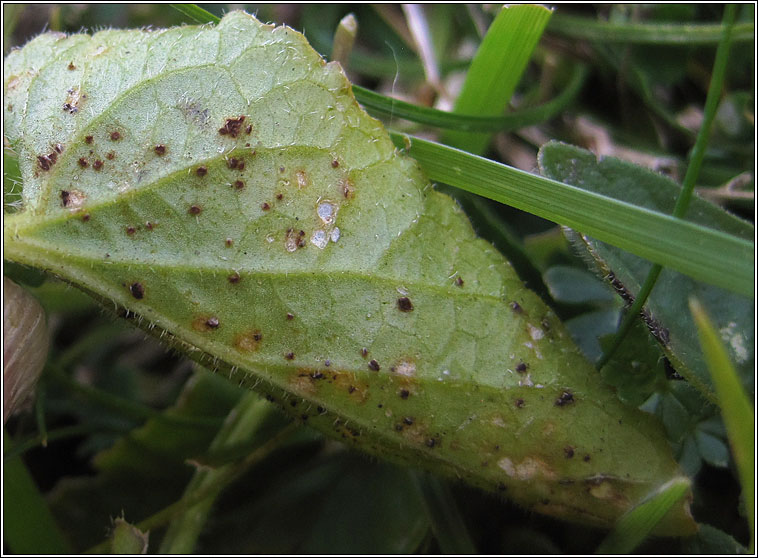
(127,539)
(222,186)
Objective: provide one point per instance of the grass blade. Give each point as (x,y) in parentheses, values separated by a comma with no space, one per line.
(736,409)
(380,105)
(659,238)
(645,33)
(196,13)
(497,68)
(636,525)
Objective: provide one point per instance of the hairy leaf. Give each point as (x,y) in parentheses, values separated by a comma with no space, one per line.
(222,186)
(667,310)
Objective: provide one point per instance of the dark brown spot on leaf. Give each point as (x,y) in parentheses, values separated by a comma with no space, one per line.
(289,356)
(459,281)
(150,226)
(130,230)
(249,129)
(85,217)
(160,149)
(408,421)
(516,307)
(364,352)
(234,278)
(249,341)
(201,170)
(404,304)
(404,393)
(137,290)
(97,165)
(229,243)
(335,163)
(586,458)
(232,162)
(290,316)
(71,66)
(265,206)
(195,210)
(83,162)
(88,139)
(519,403)
(565,398)
(568,451)
(115,136)
(431,442)
(521,367)
(279,196)
(238,185)
(212,322)
(232,127)
(374,365)
(110,155)
(65,197)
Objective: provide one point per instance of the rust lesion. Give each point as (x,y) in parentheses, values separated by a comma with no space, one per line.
(248,341)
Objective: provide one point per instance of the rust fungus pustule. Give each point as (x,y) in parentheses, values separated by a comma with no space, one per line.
(374,365)
(238,185)
(516,307)
(232,127)
(115,136)
(568,451)
(83,162)
(205,323)
(88,139)
(565,398)
(195,210)
(519,403)
(137,290)
(97,165)
(160,149)
(234,278)
(202,170)
(47,161)
(404,304)
(130,230)
(459,281)
(521,367)
(248,341)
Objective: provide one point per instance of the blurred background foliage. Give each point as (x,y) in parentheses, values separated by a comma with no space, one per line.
(126,423)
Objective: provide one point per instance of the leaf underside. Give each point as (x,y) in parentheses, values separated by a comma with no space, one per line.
(222,185)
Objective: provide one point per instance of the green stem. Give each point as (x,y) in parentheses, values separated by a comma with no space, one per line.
(688,185)
(168,513)
(243,421)
(57,434)
(125,406)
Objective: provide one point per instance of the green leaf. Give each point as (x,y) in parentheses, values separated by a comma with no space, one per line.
(638,523)
(127,539)
(667,307)
(28,525)
(737,411)
(497,68)
(221,186)
(710,540)
(649,234)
